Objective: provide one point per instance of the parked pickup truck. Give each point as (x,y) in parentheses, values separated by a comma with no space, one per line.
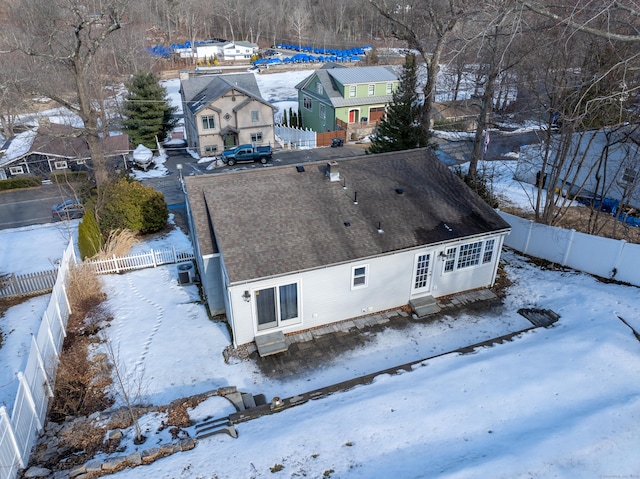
(245,153)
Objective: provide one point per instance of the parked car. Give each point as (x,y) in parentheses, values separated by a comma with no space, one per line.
(67,210)
(247,153)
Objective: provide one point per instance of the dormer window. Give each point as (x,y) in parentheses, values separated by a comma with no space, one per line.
(319,88)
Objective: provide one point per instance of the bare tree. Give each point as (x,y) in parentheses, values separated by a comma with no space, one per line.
(494,46)
(425,25)
(65,39)
(129,386)
(616,20)
(300,19)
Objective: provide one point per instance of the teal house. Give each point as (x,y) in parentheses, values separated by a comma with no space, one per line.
(350,98)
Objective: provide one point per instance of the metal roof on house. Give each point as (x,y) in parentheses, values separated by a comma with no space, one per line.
(273,221)
(199,91)
(350,76)
(329,79)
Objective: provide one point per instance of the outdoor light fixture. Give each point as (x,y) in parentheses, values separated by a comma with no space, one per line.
(246,296)
(179,168)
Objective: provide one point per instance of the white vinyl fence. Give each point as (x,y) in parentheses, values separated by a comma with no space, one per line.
(603,257)
(18,430)
(296,137)
(35,384)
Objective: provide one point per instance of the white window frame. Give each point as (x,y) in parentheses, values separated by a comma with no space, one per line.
(476,253)
(353,91)
(307,103)
(372,89)
(319,88)
(469,254)
(60,164)
(207,121)
(256,137)
(255,116)
(279,323)
(210,148)
(488,250)
(16,170)
(359,276)
(389,88)
(323,111)
(80,162)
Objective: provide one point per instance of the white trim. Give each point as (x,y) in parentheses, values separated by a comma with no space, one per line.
(362,278)
(280,323)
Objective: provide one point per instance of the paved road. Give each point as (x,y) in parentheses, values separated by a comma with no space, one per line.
(502,144)
(33,206)
(28,207)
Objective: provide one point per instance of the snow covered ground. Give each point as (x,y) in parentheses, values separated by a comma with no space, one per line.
(558,402)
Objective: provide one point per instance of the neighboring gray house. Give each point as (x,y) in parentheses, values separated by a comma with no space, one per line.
(289,248)
(53,148)
(223,111)
(598,162)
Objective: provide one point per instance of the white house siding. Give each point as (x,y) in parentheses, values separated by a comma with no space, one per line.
(213,284)
(326,295)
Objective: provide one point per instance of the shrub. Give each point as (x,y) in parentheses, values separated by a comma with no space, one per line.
(69,177)
(20,182)
(130,205)
(89,237)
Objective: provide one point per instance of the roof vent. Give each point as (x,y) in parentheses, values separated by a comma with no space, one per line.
(332,171)
(399,191)
(299,168)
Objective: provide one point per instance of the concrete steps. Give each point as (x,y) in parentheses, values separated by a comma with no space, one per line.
(424,306)
(271,343)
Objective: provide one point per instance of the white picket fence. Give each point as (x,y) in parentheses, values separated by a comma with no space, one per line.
(296,137)
(615,259)
(27,284)
(150,259)
(36,383)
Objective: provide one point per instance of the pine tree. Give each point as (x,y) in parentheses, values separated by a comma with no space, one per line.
(146,111)
(400,128)
(292,123)
(284,118)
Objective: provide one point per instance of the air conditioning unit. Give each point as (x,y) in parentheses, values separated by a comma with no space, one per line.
(186,273)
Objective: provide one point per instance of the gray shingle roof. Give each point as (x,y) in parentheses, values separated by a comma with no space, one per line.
(276,220)
(199,91)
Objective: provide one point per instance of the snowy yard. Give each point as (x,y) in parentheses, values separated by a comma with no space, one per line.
(558,402)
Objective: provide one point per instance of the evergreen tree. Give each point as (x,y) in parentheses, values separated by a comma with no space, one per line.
(284,118)
(292,123)
(400,128)
(146,111)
